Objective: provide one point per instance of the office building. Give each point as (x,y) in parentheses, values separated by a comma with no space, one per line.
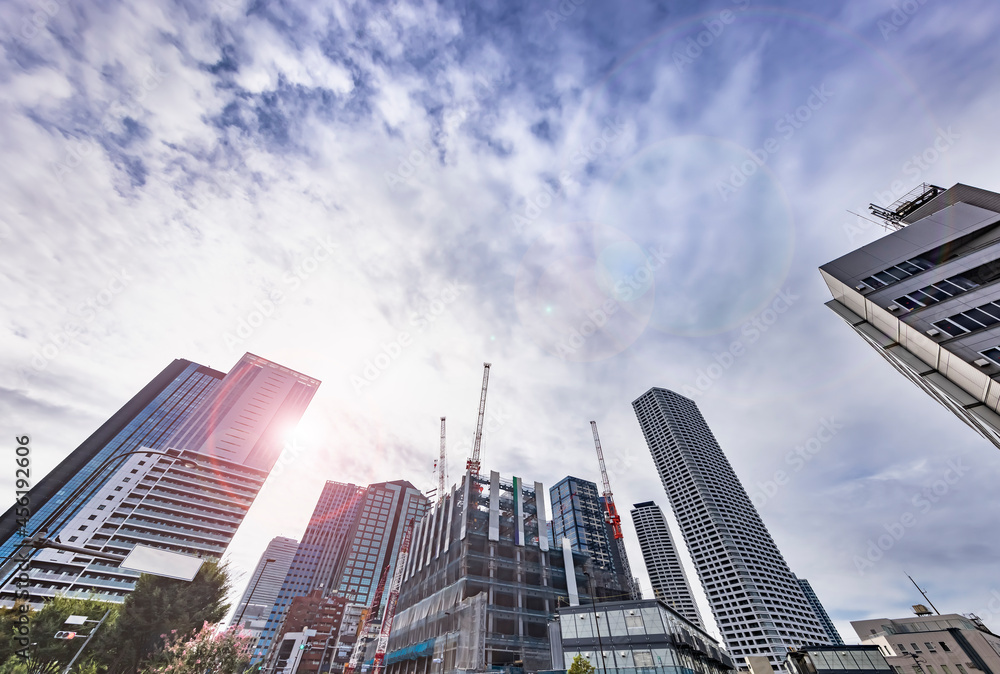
(642,635)
(933,644)
(820,611)
(578,513)
(265,581)
(481,582)
(837,660)
(663,564)
(352,537)
(310,630)
(188,498)
(925,297)
(759,607)
(147,420)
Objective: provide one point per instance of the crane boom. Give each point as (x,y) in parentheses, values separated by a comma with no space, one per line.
(366,624)
(390,604)
(612,517)
(442,467)
(472,465)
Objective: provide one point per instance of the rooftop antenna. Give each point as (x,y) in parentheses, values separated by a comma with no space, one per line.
(924,594)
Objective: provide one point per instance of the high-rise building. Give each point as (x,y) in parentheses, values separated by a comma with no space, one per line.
(264,583)
(189,498)
(353,535)
(820,611)
(147,420)
(481,582)
(926,297)
(578,514)
(757,604)
(663,564)
(313,622)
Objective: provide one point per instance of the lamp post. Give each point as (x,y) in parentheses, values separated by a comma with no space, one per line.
(597,624)
(250,596)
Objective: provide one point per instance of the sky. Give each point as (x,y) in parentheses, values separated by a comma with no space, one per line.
(595,197)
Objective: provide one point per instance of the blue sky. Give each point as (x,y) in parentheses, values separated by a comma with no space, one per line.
(595,197)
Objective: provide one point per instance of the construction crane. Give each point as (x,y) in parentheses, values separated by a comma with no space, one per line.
(442,467)
(390,604)
(612,517)
(472,465)
(367,620)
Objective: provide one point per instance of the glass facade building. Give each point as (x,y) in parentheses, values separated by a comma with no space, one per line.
(578,514)
(824,617)
(187,497)
(352,537)
(636,637)
(264,584)
(757,603)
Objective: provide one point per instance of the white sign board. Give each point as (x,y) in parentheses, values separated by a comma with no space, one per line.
(162,563)
(76,620)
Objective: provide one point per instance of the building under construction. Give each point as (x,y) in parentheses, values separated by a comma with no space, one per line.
(481,584)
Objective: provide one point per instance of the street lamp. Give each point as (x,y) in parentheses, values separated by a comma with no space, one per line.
(259,576)
(597,623)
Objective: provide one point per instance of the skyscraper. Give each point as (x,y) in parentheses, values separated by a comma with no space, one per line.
(578,514)
(759,607)
(353,534)
(663,564)
(824,617)
(264,583)
(926,297)
(188,498)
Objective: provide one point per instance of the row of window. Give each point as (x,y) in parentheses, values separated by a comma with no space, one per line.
(918,669)
(936,292)
(897,273)
(983,316)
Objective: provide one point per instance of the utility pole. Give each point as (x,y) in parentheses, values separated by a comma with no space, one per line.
(86,641)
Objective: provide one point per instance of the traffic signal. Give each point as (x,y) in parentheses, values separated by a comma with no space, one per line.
(65,635)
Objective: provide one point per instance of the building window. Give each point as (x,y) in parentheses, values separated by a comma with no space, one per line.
(92,517)
(929,646)
(961,669)
(101,507)
(944,647)
(73,539)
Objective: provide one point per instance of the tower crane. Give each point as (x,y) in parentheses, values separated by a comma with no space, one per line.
(367,622)
(472,465)
(612,517)
(390,604)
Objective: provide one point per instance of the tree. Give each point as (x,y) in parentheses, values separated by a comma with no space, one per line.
(210,649)
(581,665)
(158,608)
(45,653)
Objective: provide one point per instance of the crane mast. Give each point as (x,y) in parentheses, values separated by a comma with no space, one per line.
(472,465)
(442,467)
(390,604)
(612,517)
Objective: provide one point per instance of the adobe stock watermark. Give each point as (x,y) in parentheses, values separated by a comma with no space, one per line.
(564,10)
(914,170)
(126,105)
(32,25)
(417,159)
(924,501)
(751,332)
(565,182)
(71,331)
(264,309)
(496,418)
(389,352)
(796,460)
(696,45)
(901,14)
(624,289)
(787,127)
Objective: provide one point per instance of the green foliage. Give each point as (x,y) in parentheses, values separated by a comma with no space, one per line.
(159,611)
(45,653)
(581,665)
(209,650)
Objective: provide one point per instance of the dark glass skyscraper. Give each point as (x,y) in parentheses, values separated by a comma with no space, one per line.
(578,514)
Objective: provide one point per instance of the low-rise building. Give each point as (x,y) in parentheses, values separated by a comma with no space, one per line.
(933,644)
(644,635)
(837,660)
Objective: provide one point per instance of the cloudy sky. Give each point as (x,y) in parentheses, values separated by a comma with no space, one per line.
(595,197)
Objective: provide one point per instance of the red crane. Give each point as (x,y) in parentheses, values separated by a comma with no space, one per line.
(612,517)
(367,621)
(390,604)
(472,465)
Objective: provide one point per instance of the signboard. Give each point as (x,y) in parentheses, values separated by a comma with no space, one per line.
(76,620)
(162,562)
